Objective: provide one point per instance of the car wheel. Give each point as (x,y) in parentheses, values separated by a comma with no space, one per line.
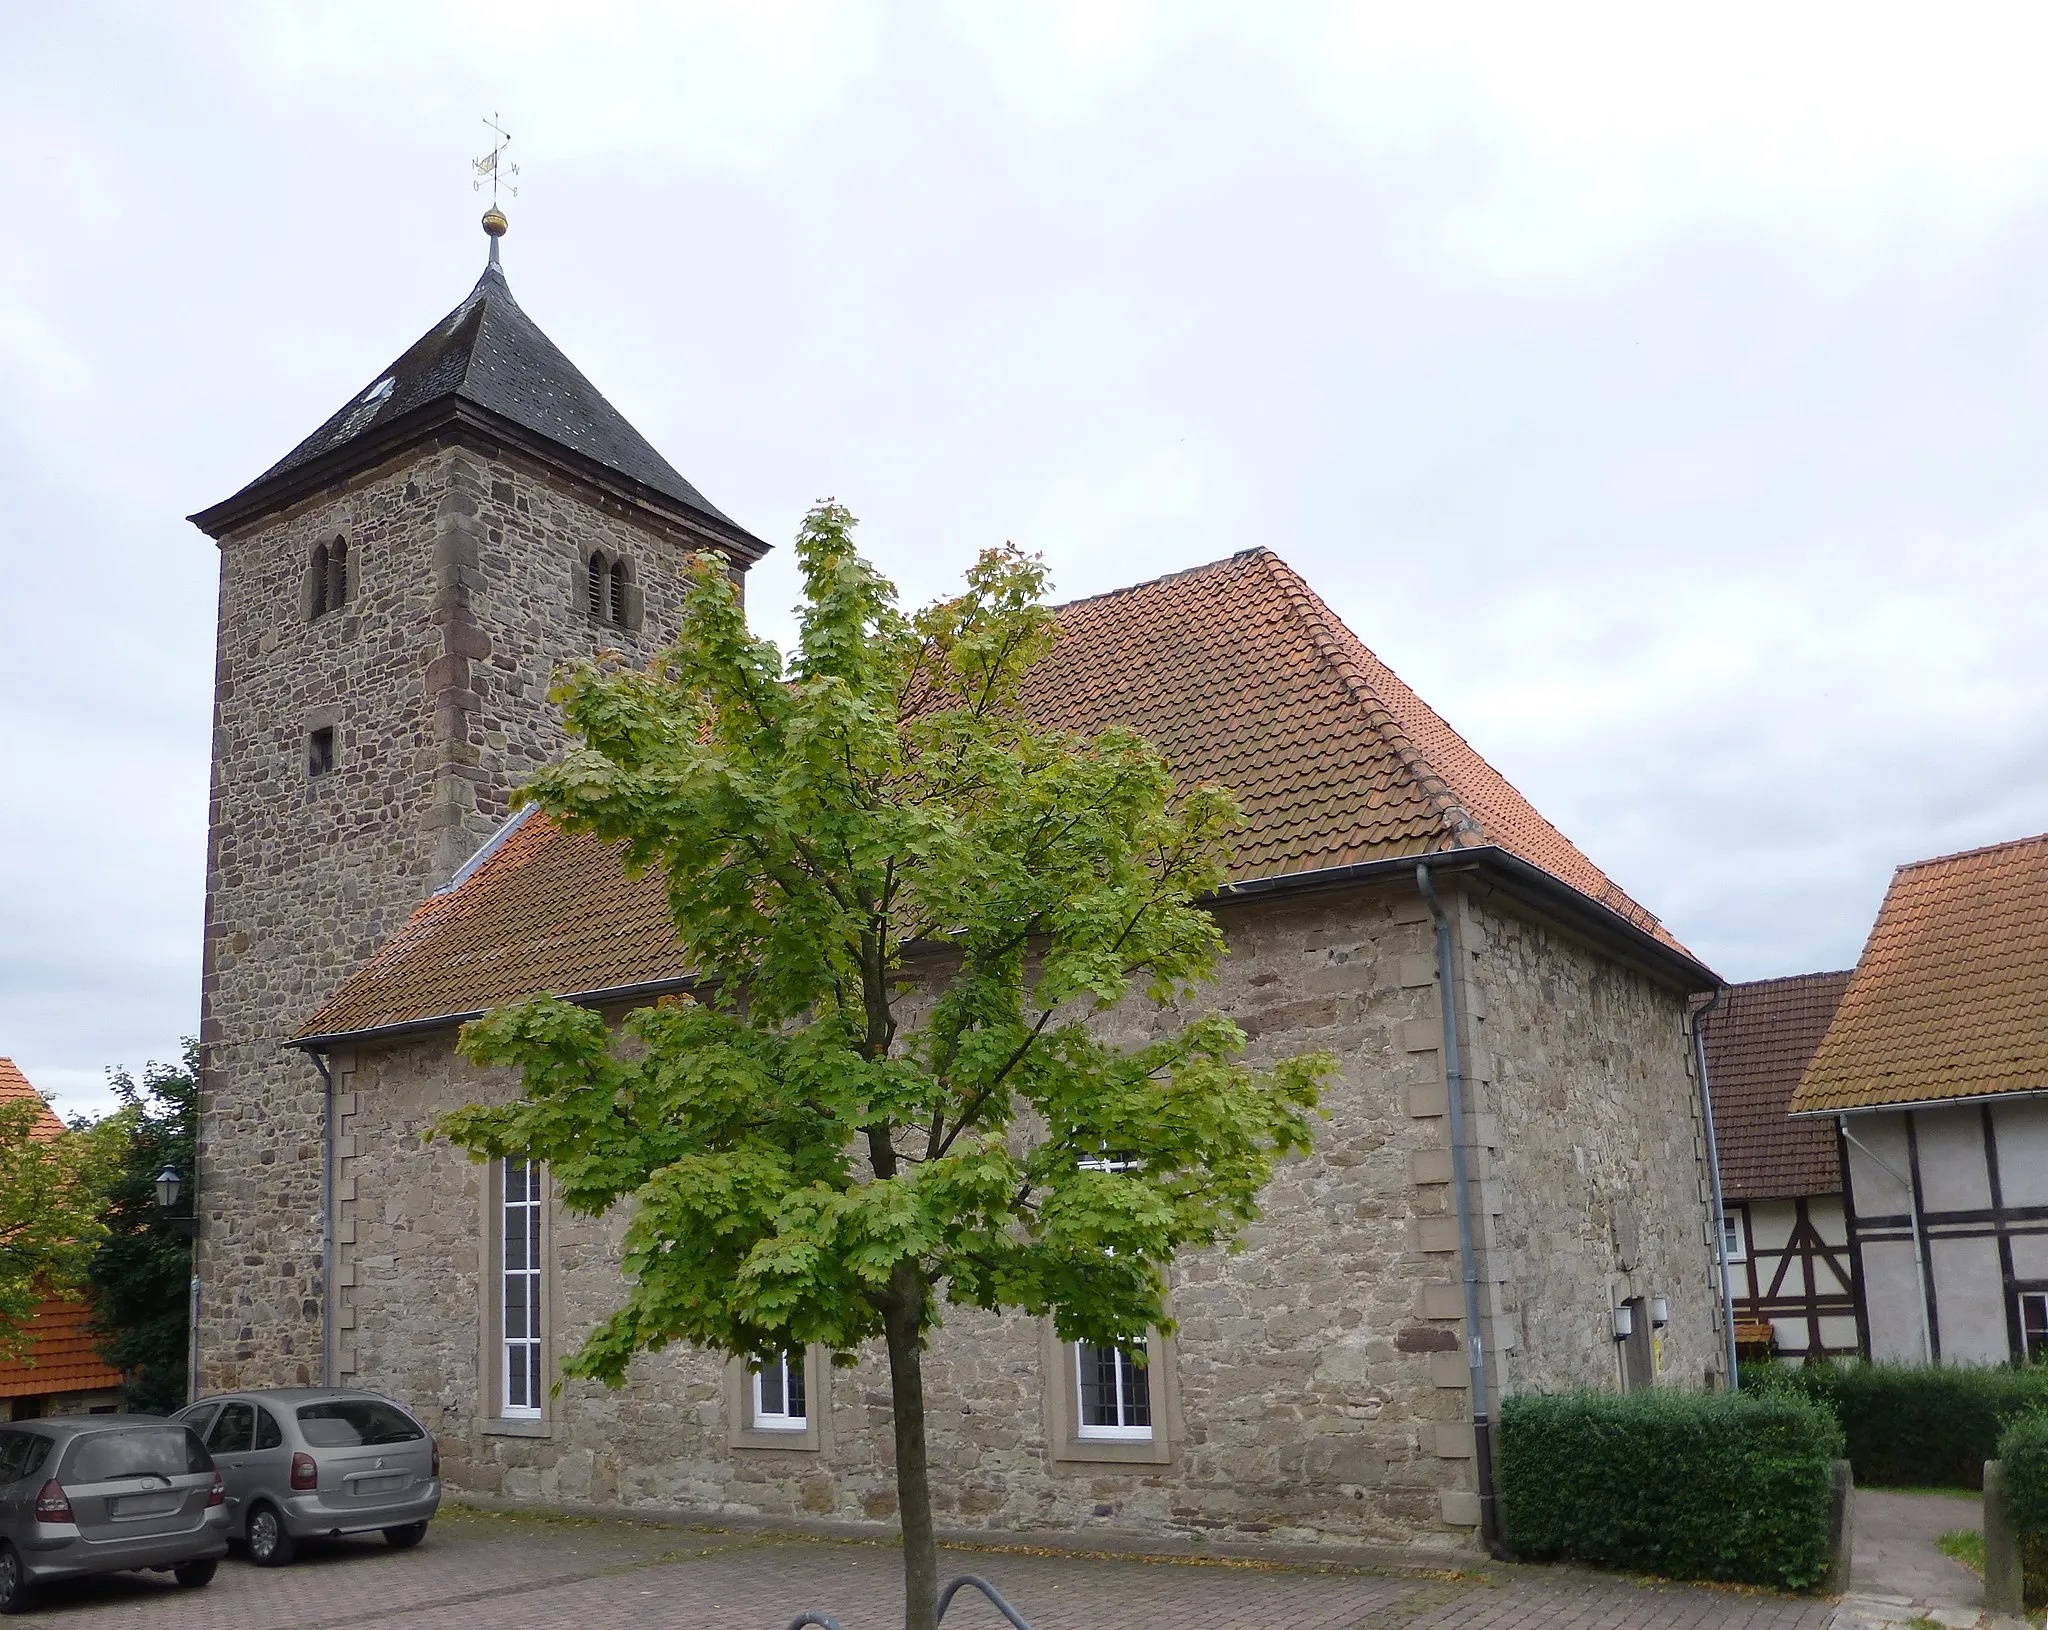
(269,1545)
(192,1575)
(14,1586)
(405,1538)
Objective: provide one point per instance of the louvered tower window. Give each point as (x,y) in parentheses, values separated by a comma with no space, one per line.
(327,577)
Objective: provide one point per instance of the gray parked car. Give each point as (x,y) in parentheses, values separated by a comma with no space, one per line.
(84,1494)
(309,1463)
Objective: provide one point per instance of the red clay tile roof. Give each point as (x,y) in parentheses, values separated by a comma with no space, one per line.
(14,1086)
(1236,670)
(62,1359)
(1758,1043)
(1950,999)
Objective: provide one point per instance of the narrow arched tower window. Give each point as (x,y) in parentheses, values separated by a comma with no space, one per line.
(337,574)
(599,586)
(615,606)
(316,574)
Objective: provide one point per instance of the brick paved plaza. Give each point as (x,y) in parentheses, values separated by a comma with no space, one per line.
(547,1574)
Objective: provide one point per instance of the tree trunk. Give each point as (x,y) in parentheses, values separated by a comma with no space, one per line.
(913,1480)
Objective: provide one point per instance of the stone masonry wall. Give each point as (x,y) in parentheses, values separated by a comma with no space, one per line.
(1599,1158)
(1316,1388)
(433,676)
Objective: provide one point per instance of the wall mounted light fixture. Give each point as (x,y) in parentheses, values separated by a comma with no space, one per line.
(1624,1322)
(1660,1311)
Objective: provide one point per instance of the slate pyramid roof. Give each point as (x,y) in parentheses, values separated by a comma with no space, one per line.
(487,356)
(1237,671)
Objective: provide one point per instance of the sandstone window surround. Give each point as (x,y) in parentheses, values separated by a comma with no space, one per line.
(516,1295)
(611,591)
(328,580)
(1078,1425)
(782,1409)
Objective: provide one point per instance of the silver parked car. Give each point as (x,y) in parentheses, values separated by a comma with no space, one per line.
(84,1494)
(311,1463)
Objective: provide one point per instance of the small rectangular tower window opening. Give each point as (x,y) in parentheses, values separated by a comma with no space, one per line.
(320,751)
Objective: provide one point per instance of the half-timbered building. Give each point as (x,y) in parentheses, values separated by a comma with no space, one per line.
(1784,1228)
(1934,1071)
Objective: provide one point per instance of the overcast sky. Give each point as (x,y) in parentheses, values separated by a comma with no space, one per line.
(1662,398)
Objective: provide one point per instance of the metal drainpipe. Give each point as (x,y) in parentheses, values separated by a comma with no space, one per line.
(326,1217)
(1919,1258)
(192,1291)
(1468,1260)
(1699,1054)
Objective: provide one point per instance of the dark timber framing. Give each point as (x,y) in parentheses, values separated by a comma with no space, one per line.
(1805,1299)
(1998,1221)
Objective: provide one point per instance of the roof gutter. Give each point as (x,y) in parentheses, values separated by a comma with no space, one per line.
(288,487)
(1512,875)
(604,997)
(1917,1103)
(1518,879)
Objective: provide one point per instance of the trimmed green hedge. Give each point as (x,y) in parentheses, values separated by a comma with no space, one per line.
(2023,1452)
(1683,1484)
(1914,1425)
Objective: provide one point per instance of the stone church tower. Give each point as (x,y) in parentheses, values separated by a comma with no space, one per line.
(395,595)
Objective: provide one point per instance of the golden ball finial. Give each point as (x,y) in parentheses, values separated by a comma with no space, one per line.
(495,222)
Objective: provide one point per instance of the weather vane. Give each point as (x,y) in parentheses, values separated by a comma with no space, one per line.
(492,165)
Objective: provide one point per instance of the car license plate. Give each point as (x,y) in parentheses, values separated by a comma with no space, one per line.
(383,1483)
(141,1505)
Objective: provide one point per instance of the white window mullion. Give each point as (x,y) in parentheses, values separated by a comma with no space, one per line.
(779,1401)
(519,1321)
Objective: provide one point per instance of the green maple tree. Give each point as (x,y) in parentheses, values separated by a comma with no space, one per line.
(140,1273)
(52,1187)
(905,902)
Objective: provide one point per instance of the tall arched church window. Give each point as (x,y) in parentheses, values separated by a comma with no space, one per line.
(599,586)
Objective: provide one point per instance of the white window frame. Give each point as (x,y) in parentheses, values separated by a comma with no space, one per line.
(1124,1431)
(522,1368)
(779,1420)
(2028,1326)
(1734,1244)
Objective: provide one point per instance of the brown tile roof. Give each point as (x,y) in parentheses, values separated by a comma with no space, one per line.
(62,1358)
(1236,670)
(1950,999)
(1758,1043)
(14,1086)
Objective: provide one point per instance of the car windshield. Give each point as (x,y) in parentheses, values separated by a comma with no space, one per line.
(342,1422)
(142,1451)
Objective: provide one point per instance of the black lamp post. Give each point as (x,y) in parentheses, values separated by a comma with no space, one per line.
(168,1188)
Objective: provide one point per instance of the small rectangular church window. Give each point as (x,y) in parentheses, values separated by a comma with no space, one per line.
(320,751)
